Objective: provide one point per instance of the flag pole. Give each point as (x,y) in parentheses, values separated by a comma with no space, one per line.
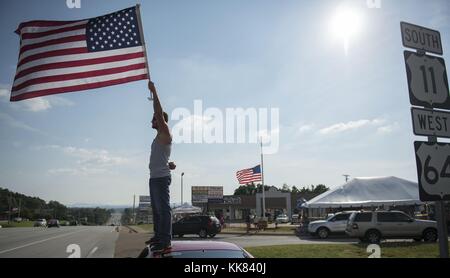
(141,29)
(262,180)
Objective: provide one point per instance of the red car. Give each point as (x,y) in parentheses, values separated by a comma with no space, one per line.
(199,250)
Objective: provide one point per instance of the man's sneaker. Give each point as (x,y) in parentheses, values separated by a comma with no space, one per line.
(161,248)
(152,241)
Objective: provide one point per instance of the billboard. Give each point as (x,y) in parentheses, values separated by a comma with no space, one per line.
(207,194)
(144,199)
(143,206)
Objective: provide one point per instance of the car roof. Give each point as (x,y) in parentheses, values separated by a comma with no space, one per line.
(192,245)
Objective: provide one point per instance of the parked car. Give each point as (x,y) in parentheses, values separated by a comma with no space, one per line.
(282,218)
(73,223)
(200,249)
(40,223)
(202,225)
(334,224)
(372,226)
(53,223)
(17,219)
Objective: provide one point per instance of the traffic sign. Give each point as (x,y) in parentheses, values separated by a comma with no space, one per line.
(428,122)
(433,170)
(421,38)
(427,80)
(145,199)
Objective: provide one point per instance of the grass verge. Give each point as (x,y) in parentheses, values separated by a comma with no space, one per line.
(388,250)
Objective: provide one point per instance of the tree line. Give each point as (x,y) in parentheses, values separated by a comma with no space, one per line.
(15,205)
(252,189)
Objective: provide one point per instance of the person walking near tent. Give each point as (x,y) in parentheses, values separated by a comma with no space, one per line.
(160,177)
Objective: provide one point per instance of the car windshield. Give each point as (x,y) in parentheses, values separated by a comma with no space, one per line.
(330,217)
(202,254)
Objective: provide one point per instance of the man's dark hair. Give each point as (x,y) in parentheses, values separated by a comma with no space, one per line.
(166,117)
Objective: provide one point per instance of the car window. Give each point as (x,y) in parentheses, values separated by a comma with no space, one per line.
(363,217)
(386,217)
(192,220)
(402,217)
(342,217)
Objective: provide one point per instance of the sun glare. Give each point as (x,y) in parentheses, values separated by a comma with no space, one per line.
(346,24)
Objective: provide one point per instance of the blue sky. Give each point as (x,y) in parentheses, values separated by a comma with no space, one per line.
(340,113)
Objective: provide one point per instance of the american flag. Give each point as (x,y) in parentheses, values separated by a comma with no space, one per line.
(66,56)
(249,175)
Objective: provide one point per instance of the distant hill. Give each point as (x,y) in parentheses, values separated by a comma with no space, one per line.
(13,204)
(86,205)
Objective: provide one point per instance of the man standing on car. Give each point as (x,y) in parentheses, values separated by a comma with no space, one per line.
(160,177)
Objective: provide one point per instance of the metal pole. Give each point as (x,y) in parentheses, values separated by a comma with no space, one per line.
(132,214)
(9,208)
(439,207)
(262,180)
(20,204)
(144,46)
(182,174)
(442,228)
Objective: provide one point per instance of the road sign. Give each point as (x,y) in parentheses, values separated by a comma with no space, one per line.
(144,199)
(427,80)
(433,170)
(428,122)
(421,38)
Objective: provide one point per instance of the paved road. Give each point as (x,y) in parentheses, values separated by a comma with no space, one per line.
(94,242)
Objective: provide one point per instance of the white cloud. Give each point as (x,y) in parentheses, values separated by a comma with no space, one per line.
(16,123)
(305,128)
(80,171)
(387,128)
(88,161)
(34,104)
(352,125)
(92,157)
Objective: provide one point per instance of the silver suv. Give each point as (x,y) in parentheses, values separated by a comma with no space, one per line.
(372,226)
(335,224)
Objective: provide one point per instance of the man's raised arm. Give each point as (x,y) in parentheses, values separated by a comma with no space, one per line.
(163,128)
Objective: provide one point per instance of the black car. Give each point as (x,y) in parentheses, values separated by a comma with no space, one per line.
(202,225)
(53,223)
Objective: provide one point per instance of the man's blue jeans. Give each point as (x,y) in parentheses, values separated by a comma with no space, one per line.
(162,213)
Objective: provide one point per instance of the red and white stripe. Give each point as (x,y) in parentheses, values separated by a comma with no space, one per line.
(54,59)
(247,176)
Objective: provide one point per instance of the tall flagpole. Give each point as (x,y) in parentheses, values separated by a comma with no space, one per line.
(144,46)
(262,180)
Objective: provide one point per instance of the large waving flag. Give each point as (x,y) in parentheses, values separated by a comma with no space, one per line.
(67,56)
(249,175)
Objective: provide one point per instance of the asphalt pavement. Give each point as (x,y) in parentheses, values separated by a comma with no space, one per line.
(63,242)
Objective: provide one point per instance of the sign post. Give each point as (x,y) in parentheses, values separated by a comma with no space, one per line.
(428,87)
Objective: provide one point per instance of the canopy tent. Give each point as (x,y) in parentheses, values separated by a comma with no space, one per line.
(186,209)
(367,192)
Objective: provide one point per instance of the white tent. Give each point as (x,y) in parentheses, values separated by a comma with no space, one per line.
(186,209)
(367,192)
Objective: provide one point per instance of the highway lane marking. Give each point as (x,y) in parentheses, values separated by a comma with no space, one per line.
(92,252)
(40,241)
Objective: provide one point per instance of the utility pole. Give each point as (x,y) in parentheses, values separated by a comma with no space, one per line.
(182,174)
(346,177)
(132,213)
(20,205)
(9,208)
